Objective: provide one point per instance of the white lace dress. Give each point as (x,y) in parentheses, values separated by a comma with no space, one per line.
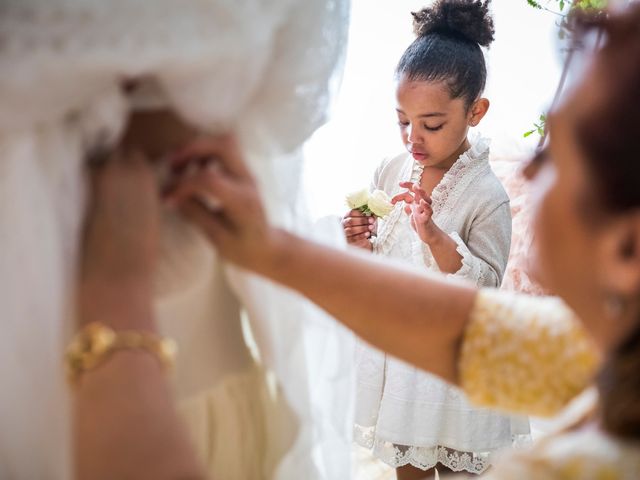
(264,70)
(408,416)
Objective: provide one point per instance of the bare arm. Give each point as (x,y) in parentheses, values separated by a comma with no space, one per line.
(417,317)
(445,251)
(411,315)
(126,425)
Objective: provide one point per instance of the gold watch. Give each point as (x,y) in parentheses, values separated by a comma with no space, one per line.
(96,342)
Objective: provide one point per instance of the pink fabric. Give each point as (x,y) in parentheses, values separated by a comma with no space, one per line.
(518,276)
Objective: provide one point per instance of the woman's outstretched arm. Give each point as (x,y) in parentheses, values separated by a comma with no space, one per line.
(413,316)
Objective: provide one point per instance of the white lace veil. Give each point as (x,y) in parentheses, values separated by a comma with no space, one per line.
(263,69)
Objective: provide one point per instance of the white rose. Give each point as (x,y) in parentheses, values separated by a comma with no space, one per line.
(380,204)
(358,199)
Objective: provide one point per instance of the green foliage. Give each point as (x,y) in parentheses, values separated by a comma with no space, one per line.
(538,127)
(591,4)
(365,210)
(563,7)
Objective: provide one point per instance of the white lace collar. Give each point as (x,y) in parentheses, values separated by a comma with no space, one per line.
(454,182)
(457,177)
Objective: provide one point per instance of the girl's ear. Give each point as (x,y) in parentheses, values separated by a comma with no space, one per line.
(477,111)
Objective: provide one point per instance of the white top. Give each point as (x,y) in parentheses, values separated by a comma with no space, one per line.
(469,204)
(408,416)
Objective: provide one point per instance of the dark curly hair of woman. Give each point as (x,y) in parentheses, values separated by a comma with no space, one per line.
(447,48)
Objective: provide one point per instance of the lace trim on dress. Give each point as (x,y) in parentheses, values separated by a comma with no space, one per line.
(387,233)
(470,265)
(456,180)
(428,457)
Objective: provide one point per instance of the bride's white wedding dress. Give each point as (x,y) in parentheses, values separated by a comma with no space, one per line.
(262,69)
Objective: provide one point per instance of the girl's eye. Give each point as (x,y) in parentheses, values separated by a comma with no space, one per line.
(403,124)
(433,129)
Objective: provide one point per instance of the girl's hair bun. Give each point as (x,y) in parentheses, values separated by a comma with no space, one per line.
(469,19)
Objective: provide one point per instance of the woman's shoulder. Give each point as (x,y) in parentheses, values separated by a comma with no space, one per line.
(525,354)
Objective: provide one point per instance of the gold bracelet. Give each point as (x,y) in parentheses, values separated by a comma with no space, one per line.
(96,342)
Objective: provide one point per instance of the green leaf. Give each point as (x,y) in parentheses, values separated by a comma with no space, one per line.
(530,132)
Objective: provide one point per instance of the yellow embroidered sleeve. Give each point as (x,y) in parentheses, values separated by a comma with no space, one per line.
(525,354)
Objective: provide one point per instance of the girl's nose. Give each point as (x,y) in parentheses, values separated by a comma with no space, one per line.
(413,135)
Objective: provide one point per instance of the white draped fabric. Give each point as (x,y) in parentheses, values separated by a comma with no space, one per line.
(263,69)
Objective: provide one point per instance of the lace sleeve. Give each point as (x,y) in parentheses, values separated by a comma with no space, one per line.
(485,254)
(525,354)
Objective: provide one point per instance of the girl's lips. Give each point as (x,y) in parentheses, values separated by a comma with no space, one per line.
(419,156)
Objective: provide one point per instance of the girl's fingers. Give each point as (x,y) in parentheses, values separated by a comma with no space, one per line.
(406,185)
(406,197)
(350,231)
(421,194)
(358,238)
(413,223)
(357,221)
(359,241)
(425,205)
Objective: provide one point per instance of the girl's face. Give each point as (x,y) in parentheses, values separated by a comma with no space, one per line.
(433,126)
(577,248)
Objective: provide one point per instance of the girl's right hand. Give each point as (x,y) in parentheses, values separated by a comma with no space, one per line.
(358,229)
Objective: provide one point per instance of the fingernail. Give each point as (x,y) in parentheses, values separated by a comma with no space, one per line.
(367,234)
(370,227)
(371,220)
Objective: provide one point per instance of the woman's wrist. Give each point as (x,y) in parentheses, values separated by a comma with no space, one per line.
(273,253)
(123,306)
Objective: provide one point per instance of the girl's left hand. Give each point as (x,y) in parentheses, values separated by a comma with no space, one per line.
(418,207)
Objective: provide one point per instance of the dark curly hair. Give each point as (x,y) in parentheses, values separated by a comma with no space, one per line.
(447,48)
